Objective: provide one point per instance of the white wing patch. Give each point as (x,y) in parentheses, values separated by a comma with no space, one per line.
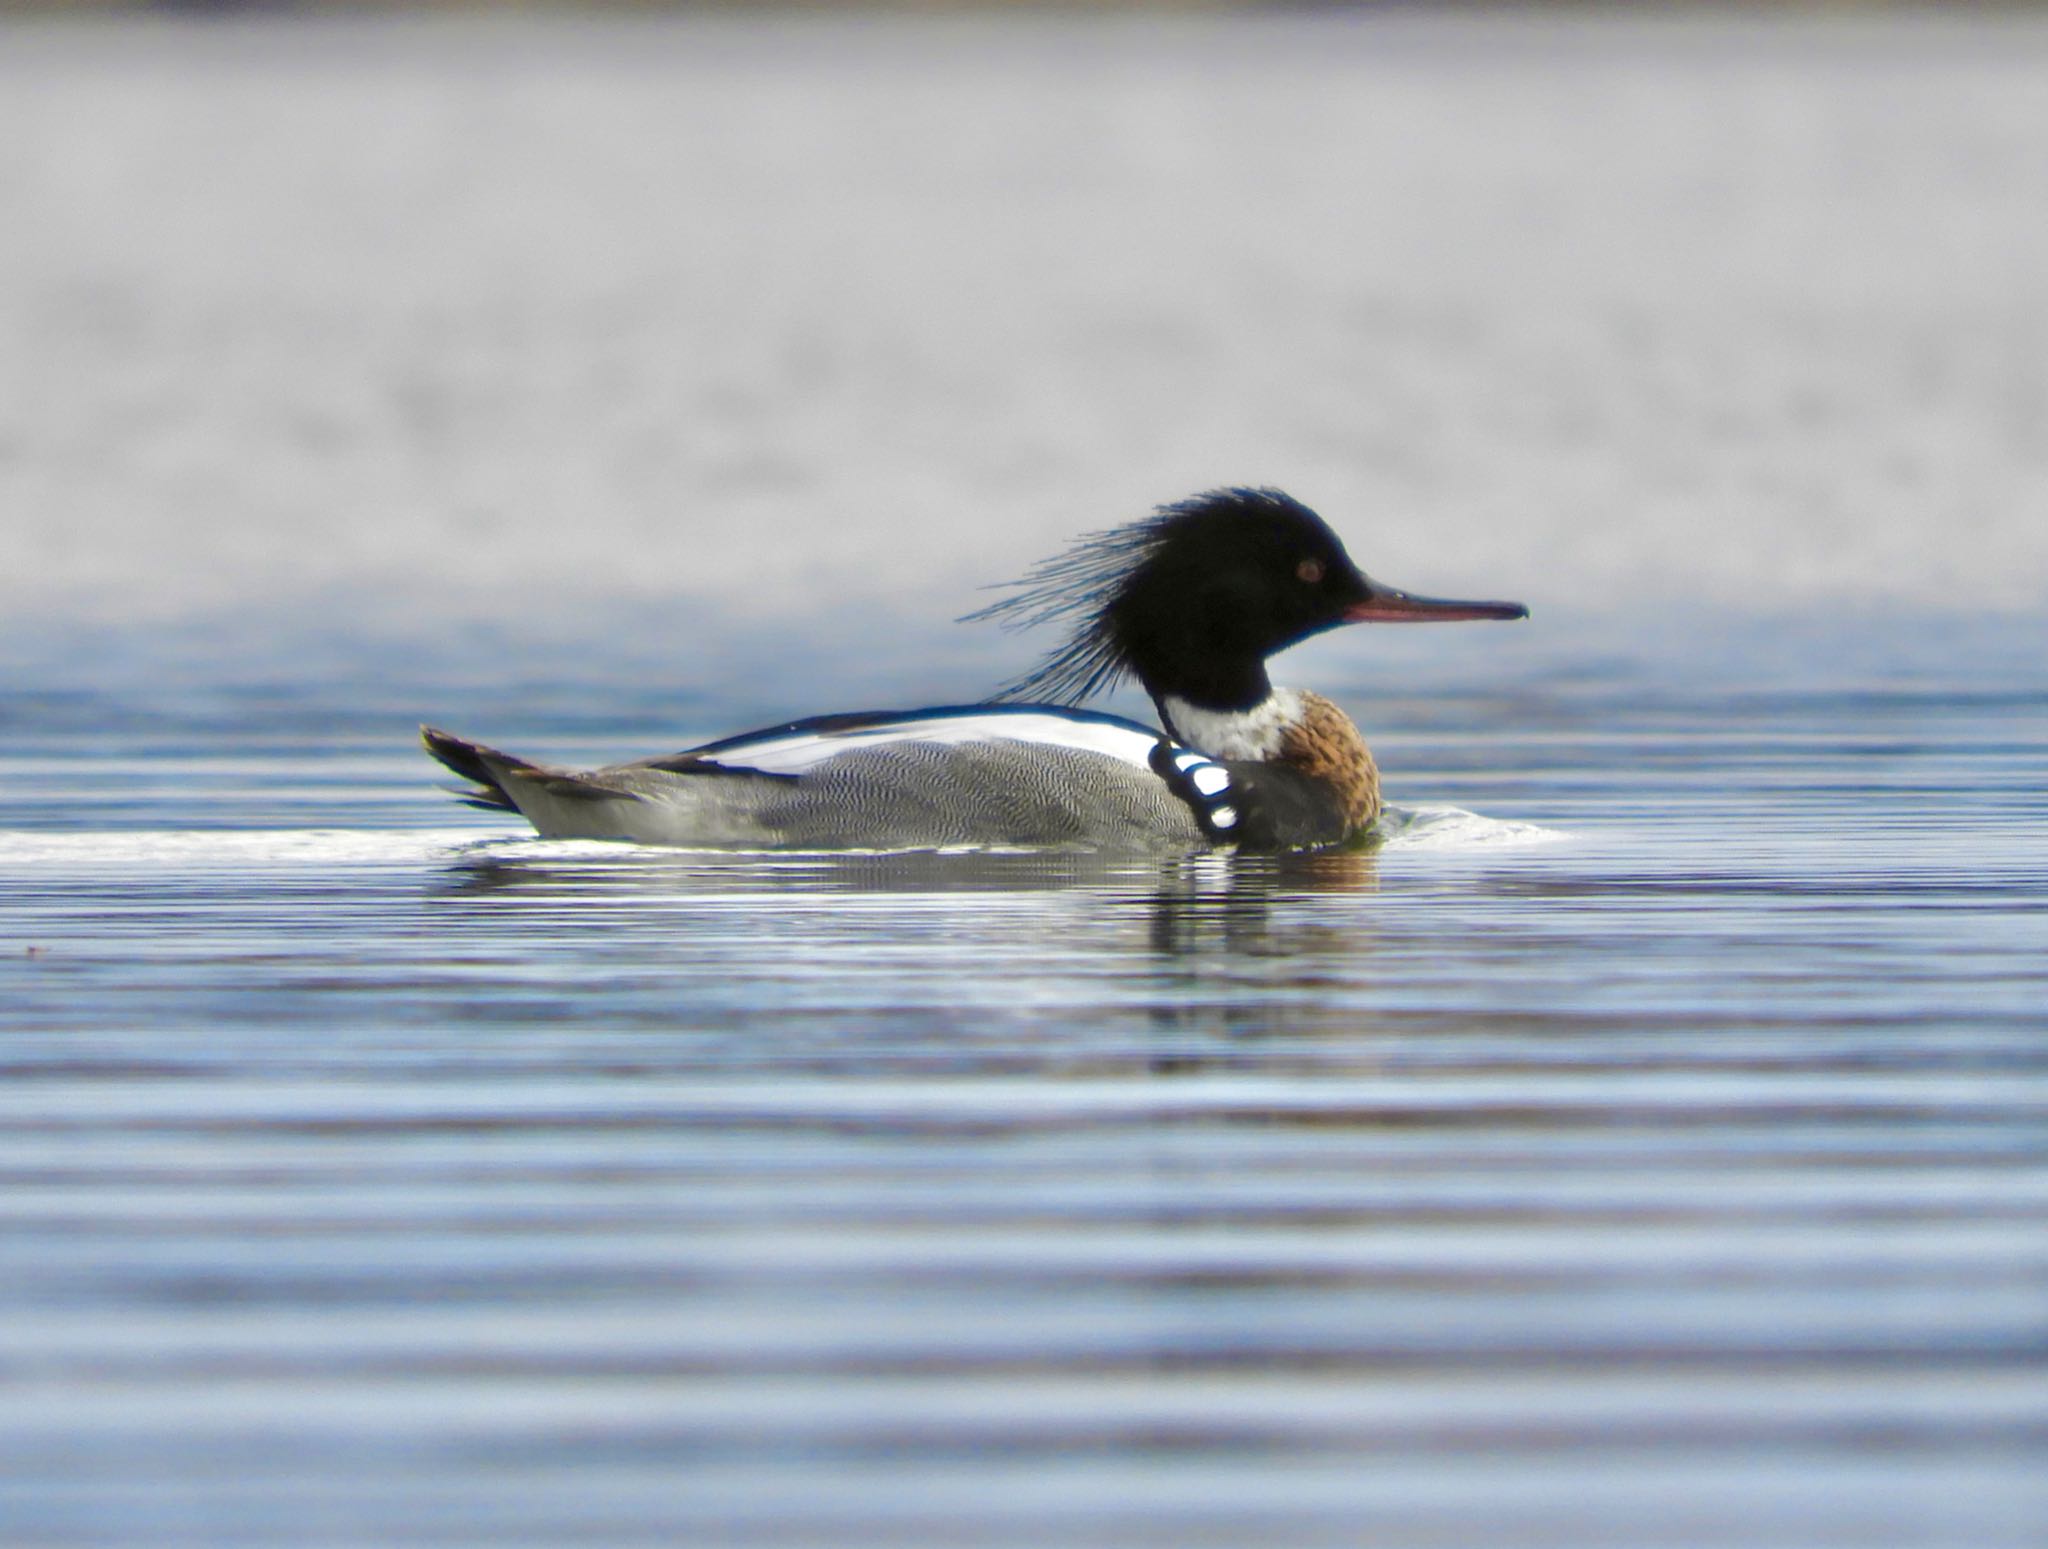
(1213,791)
(797,752)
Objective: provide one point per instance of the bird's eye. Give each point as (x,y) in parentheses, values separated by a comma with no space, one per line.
(1310,571)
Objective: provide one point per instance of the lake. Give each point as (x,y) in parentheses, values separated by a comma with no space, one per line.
(1646,1145)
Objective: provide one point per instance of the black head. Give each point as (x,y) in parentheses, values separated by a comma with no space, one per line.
(1194,598)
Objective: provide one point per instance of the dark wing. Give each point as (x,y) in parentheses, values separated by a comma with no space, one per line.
(1253,805)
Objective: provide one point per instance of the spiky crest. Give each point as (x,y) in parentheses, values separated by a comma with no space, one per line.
(1081,586)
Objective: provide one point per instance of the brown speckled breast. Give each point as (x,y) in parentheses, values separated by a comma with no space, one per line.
(1324,745)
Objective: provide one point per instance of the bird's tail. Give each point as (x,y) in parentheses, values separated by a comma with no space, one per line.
(473,761)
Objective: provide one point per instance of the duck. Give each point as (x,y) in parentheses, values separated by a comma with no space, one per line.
(1190,602)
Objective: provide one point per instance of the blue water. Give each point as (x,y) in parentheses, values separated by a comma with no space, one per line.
(1670,1169)
(1648,1145)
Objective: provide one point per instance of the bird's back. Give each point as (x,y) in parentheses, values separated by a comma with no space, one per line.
(1020,776)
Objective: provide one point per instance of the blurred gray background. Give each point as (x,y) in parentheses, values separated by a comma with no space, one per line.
(388,325)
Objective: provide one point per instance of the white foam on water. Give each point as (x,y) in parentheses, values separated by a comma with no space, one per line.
(1453,828)
(1399,828)
(23,850)
(29,849)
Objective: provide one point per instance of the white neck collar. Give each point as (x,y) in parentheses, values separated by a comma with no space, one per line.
(1254,734)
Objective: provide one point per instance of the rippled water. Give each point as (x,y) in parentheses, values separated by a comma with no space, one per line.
(1647,1145)
(1676,1176)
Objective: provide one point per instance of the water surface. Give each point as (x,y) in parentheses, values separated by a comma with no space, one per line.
(1687,1157)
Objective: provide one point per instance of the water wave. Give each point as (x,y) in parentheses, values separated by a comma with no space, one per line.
(1401,828)
(1453,828)
(182,848)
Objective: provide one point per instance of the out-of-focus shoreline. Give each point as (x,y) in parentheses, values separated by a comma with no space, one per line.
(367,317)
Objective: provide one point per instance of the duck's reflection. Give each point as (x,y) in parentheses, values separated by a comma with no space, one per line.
(1196,904)
(1227,903)
(1249,948)
(1096,961)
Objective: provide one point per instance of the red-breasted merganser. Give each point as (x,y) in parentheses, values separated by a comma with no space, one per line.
(1189,601)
